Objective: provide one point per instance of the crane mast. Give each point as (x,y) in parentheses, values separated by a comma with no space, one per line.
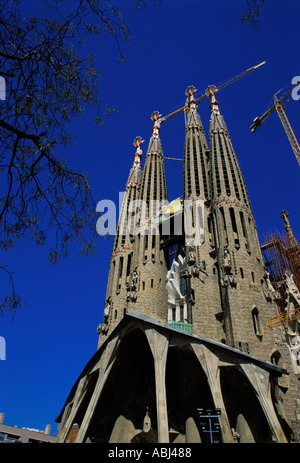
(288,129)
(278,106)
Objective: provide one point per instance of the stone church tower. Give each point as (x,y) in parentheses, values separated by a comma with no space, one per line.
(185,319)
(149,263)
(120,264)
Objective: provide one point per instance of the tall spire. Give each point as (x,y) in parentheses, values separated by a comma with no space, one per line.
(149,264)
(240,261)
(291,237)
(293,249)
(192,118)
(195,168)
(120,263)
(200,259)
(144,383)
(135,173)
(217,122)
(154,185)
(227,178)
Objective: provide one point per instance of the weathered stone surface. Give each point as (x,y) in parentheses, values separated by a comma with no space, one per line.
(232,361)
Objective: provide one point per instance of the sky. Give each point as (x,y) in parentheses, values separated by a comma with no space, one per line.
(179,43)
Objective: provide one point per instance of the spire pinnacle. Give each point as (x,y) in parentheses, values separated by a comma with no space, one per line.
(134,175)
(217,121)
(155,117)
(190,95)
(284,215)
(291,237)
(155,144)
(192,118)
(214,105)
(139,153)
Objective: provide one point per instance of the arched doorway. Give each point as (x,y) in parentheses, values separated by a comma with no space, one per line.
(129,391)
(187,390)
(246,417)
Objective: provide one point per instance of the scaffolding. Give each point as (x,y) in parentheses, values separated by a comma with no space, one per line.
(282,257)
(281,254)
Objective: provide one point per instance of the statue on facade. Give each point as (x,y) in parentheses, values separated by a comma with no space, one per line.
(229,278)
(236,437)
(147,421)
(133,285)
(269,291)
(137,158)
(107,311)
(191,256)
(155,117)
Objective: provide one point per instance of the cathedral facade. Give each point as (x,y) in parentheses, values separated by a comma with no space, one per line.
(185,339)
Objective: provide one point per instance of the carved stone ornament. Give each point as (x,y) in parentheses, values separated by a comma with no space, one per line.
(226,260)
(133,286)
(147,422)
(132,296)
(269,291)
(99,328)
(292,292)
(134,280)
(229,278)
(107,309)
(191,256)
(195,271)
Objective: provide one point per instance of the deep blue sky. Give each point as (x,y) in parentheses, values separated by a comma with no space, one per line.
(179,43)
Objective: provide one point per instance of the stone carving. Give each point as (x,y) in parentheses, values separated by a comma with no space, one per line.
(193,118)
(99,328)
(235,435)
(137,160)
(269,291)
(195,270)
(229,278)
(292,292)
(107,311)
(138,154)
(217,121)
(284,215)
(155,117)
(156,127)
(133,286)
(147,422)
(107,308)
(191,256)
(226,259)
(175,297)
(292,301)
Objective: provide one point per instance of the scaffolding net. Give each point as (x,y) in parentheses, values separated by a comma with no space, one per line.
(281,253)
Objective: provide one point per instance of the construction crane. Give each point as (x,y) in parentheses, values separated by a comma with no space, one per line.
(220,87)
(278,105)
(206,94)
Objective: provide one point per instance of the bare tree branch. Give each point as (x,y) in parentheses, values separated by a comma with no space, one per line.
(48,84)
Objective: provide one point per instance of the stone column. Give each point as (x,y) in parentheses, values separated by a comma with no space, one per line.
(159,346)
(191,431)
(123,431)
(244,430)
(210,365)
(70,412)
(105,365)
(260,381)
